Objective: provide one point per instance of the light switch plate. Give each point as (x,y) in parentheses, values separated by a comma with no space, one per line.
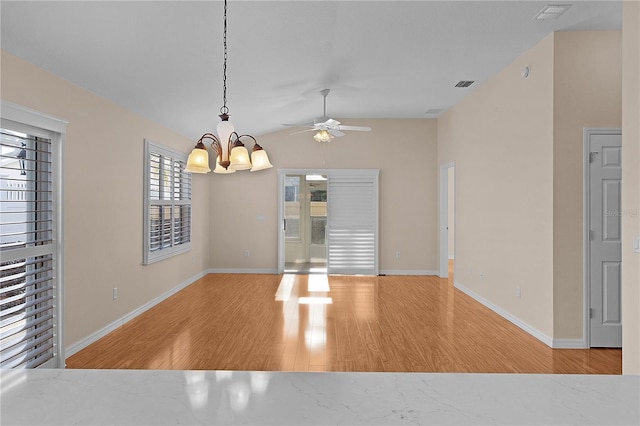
(636,244)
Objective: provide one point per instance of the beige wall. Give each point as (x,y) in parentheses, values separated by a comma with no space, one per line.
(630,187)
(244,205)
(501,139)
(103,200)
(587,94)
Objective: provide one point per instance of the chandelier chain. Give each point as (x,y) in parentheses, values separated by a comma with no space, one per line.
(224,109)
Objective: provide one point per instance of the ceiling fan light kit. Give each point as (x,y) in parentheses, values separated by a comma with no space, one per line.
(323,136)
(232,155)
(329,128)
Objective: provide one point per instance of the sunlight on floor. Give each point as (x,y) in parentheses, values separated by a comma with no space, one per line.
(318,283)
(284,289)
(315,300)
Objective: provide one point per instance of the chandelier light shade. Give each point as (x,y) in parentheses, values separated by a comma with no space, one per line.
(198,161)
(231,154)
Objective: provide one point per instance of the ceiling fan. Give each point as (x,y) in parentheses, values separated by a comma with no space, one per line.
(327,128)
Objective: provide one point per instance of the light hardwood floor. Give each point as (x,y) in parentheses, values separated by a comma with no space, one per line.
(391,323)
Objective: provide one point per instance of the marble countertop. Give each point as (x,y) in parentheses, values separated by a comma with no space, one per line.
(134,397)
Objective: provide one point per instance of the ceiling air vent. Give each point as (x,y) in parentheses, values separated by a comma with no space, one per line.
(552,11)
(434,111)
(464,83)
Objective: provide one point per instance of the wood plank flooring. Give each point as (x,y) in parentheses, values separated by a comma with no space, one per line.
(286,323)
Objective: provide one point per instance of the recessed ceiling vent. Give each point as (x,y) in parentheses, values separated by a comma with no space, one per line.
(433,111)
(464,83)
(552,11)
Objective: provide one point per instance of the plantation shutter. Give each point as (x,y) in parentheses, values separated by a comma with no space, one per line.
(352,217)
(28,286)
(167,203)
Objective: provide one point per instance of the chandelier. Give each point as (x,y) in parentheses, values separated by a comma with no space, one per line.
(231,154)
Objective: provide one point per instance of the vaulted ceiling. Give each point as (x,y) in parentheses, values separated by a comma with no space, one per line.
(382,59)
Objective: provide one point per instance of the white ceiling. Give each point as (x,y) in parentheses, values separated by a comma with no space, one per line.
(382,59)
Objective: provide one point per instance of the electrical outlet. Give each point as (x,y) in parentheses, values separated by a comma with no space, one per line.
(482,276)
(518,292)
(398,254)
(246,253)
(115,293)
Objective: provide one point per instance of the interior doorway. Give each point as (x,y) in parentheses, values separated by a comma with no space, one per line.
(447,221)
(305,222)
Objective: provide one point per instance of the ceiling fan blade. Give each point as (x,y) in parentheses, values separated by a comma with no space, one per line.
(302,131)
(299,125)
(332,123)
(356,128)
(336,133)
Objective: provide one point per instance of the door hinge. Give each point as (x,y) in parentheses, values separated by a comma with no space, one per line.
(590,312)
(592,156)
(590,234)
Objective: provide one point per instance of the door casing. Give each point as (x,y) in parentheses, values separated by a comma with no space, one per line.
(444,219)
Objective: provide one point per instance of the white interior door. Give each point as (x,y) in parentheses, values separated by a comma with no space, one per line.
(605,249)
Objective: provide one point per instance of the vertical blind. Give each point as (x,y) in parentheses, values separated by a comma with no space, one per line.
(353,224)
(168,198)
(27,270)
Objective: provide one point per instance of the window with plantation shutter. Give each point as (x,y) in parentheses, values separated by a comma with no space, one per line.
(30,269)
(352,229)
(167,228)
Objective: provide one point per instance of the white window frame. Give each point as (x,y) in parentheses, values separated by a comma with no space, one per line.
(21,115)
(165,252)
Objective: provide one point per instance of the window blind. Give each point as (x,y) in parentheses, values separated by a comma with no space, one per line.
(167,203)
(27,271)
(352,224)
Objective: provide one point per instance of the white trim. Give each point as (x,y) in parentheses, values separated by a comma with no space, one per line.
(506,315)
(272,271)
(569,344)
(451,257)
(409,272)
(586,191)
(22,114)
(444,219)
(281,239)
(586,197)
(94,337)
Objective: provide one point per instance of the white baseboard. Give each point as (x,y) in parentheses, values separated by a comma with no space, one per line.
(510,317)
(242,271)
(408,272)
(94,337)
(569,344)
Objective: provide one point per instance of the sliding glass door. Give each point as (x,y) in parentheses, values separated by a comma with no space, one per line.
(329,216)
